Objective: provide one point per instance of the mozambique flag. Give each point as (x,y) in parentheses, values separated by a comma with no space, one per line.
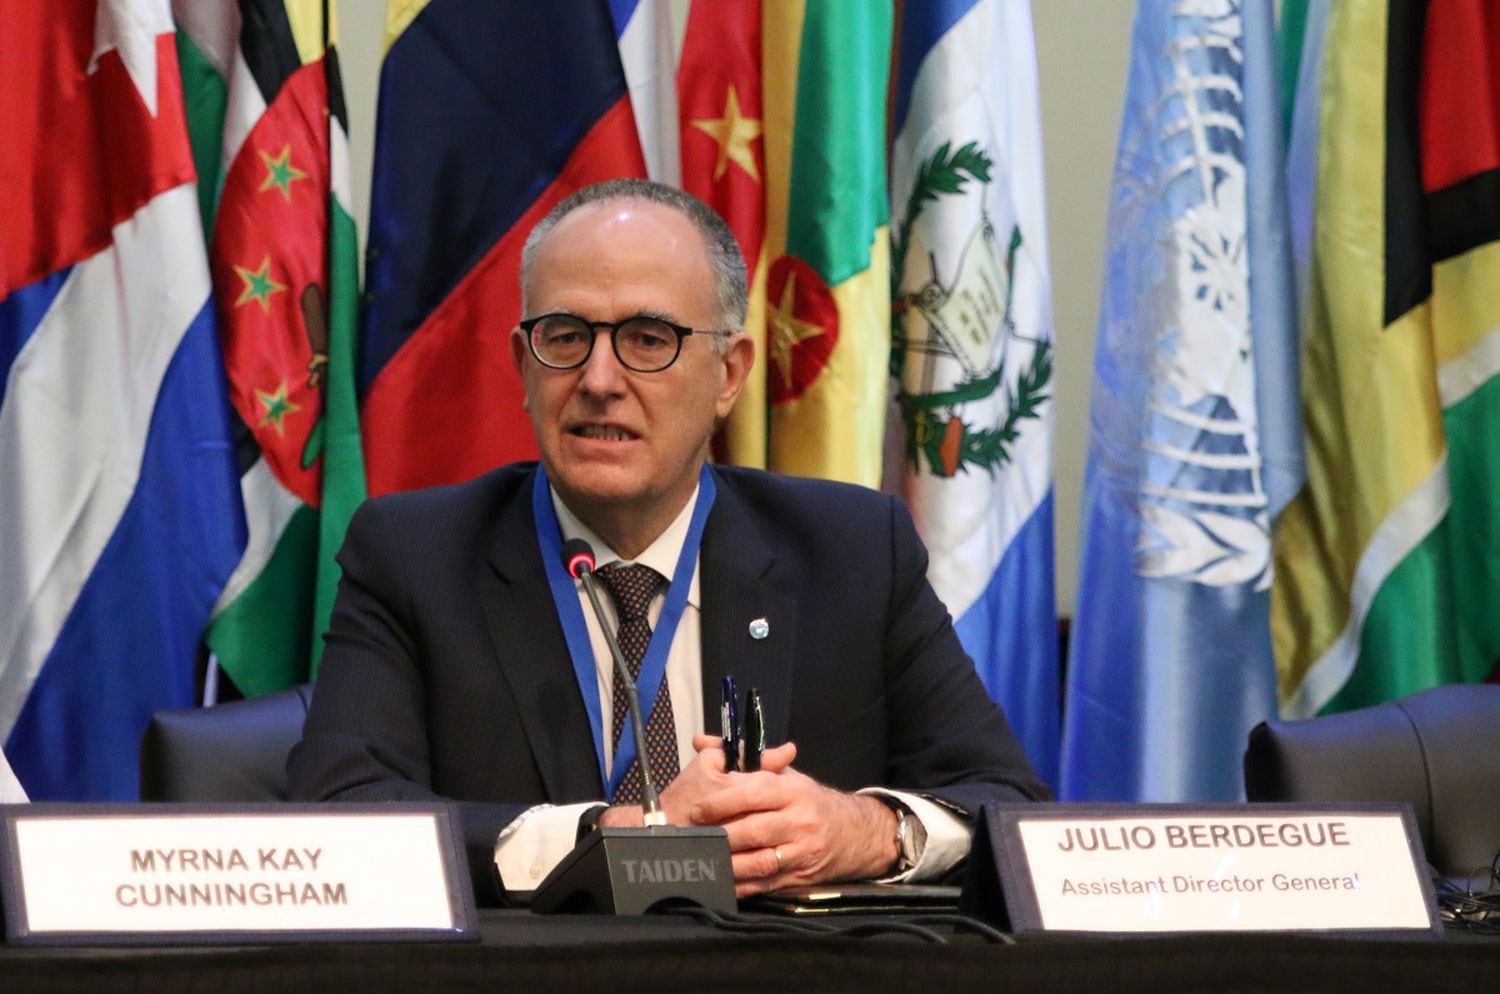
(266,113)
(827,286)
(1386,565)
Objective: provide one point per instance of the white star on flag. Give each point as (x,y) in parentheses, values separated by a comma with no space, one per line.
(130,27)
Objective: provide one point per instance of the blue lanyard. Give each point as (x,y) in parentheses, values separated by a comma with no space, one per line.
(575,629)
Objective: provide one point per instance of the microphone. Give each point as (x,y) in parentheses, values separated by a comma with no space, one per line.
(629,871)
(578,558)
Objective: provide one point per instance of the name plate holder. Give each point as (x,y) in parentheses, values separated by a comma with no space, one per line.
(1173,868)
(233,874)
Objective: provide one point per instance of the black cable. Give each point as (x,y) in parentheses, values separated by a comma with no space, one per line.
(735,922)
(894,927)
(1463,908)
(914,927)
(988,931)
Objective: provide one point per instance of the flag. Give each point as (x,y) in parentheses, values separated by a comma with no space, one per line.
(1386,563)
(489,114)
(649,55)
(267,117)
(825,67)
(1194,444)
(972,343)
(119,512)
(11,791)
(723,163)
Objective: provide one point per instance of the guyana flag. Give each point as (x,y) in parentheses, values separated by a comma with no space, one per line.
(266,115)
(1386,566)
(783,112)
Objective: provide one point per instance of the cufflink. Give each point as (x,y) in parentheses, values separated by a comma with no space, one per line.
(760,628)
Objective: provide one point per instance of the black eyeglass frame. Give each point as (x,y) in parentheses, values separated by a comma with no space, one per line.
(681,330)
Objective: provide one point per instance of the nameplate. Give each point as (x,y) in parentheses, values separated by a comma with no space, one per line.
(1208,868)
(146,874)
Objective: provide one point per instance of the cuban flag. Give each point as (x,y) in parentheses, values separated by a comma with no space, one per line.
(972,342)
(119,509)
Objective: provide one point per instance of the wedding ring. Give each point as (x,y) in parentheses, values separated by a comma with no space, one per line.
(777,853)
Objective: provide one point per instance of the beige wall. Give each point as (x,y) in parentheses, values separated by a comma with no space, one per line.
(1082,49)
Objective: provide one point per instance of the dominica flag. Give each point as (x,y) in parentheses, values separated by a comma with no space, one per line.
(120,517)
(1386,563)
(267,117)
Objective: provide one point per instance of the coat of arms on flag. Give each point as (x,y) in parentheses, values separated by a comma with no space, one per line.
(960,331)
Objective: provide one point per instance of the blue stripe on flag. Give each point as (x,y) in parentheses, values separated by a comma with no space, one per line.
(921,27)
(130,643)
(621,11)
(1010,633)
(20,313)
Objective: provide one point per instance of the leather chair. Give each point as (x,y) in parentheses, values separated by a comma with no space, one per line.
(229,752)
(1438,750)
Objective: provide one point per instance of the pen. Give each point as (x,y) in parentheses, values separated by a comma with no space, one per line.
(729,724)
(755,730)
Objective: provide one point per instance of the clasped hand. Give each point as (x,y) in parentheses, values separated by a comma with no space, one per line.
(785,829)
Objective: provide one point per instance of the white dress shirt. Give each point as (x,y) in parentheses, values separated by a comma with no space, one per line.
(530,846)
(11,791)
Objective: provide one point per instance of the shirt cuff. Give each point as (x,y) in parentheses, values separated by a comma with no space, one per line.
(948,836)
(529,847)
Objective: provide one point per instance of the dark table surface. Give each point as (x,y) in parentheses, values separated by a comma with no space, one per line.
(520,951)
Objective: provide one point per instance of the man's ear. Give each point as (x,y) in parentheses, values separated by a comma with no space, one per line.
(739,359)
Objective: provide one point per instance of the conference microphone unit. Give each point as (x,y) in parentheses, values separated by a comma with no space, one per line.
(629,871)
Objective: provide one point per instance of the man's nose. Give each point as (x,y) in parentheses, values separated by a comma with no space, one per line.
(602,372)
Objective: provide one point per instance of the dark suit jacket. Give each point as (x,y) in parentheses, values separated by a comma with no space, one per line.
(446,673)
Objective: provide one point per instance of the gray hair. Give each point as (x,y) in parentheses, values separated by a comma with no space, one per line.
(724,259)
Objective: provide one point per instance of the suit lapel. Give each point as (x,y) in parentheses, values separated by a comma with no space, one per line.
(738,587)
(532,656)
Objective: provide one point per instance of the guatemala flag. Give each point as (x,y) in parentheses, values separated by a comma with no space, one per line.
(119,507)
(1195,443)
(972,342)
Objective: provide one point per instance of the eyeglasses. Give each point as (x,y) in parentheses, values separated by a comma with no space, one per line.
(643,345)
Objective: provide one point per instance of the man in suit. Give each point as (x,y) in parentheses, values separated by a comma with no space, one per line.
(457,667)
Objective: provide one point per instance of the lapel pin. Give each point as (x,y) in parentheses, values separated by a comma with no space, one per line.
(760,628)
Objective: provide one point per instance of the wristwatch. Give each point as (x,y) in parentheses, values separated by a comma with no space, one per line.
(911,839)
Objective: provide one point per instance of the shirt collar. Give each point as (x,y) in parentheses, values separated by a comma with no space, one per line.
(661,555)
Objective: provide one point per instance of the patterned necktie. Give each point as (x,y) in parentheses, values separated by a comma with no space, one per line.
(632,588)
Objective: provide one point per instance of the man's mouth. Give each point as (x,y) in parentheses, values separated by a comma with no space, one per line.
(607,433)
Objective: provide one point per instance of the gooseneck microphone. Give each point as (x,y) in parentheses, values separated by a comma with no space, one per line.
(578,559)
(629,871)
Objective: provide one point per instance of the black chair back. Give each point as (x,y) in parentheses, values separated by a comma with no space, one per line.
(1439,750)
(229,752)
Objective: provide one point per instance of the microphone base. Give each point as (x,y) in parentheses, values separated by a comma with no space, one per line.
(629,871)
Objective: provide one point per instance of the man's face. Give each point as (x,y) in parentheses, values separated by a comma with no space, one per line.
(613,440)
